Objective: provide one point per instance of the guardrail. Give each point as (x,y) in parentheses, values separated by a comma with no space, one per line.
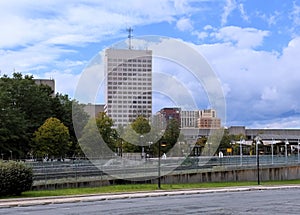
(78,169)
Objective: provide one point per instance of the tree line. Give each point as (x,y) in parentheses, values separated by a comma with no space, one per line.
(24,108)
(35,123)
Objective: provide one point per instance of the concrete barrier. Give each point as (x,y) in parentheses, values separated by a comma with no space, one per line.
(218,174)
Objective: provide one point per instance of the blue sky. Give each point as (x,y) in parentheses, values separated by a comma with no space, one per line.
(252,46)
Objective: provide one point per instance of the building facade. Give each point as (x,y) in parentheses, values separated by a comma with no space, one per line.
(128,75)
(208,119)
(47,82)
(189,119)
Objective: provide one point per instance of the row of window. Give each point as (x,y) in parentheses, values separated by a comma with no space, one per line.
(130,74)
(138,60)
(130,108)
(128,102)
(129,65)
(119,69)
(137,81)
(128,90)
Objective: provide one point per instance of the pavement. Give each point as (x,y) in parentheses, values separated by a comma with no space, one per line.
(23,202)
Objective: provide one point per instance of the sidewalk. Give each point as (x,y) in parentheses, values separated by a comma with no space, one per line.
(23,202)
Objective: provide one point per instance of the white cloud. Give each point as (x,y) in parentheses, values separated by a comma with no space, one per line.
(228,8)
(269,94)
(283,123)
(295,14)
(243,37)
(184,24)
(243,12)
(260,86)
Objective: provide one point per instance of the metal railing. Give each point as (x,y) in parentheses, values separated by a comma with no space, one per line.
(77,170)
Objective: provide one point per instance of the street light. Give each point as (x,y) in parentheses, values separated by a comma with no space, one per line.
(143,151)
(272,149)
(257,141)
(241,150)
(150,143)
(298,151)
(159,146)
(286,144)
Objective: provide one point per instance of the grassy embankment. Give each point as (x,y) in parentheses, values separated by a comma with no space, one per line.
(145,187)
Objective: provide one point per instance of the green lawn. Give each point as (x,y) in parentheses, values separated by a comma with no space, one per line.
(144,187)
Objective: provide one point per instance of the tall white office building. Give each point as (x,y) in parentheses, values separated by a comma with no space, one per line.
(128,84)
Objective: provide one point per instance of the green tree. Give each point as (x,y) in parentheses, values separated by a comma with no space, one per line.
(108,133)
(24,107)
(90,140)
(67,110)
(51,139)
(170,136)
(141,125)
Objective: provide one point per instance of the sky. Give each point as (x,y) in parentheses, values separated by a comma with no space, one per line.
(252,46)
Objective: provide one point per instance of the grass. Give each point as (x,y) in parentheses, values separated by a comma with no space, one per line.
(144,187)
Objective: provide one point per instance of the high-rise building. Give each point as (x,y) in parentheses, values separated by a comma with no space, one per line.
(128,84)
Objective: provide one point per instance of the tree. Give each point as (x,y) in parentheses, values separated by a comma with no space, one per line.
(92,144)
(24,107)
(170,136)
(109,134)
(67,111)
(141,125)
(51,139)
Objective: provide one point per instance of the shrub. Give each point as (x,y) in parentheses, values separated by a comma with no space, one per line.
(15,178)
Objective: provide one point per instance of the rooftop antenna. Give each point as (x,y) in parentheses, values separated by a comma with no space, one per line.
(130,30)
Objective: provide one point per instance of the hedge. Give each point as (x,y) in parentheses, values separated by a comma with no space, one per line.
(15,178)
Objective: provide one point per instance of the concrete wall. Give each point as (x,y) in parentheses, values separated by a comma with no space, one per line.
(231,175)
(215,175)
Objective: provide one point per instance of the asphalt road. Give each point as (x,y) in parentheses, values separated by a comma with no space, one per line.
(279,201)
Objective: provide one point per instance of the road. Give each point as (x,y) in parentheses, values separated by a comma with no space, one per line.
(281,201)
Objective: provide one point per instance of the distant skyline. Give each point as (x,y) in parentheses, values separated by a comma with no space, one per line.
(252,46)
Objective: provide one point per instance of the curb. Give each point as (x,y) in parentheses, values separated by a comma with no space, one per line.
(23,202)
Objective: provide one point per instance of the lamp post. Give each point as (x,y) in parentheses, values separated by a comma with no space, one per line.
(286,144)
(241,151)
(298,151)
(272,149)
(121,153)
(150,143)
(143,152)
(257,140)
(160,144)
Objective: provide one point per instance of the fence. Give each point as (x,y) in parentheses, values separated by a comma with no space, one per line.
(83,170)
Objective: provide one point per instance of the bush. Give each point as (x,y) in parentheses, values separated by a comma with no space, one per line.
(15,178)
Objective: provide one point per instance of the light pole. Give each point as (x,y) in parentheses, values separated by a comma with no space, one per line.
(158,179)
(241,151)
(143,152)
(150,143)
(272,149)
(121,153)
(257,140)
(298,151)
(286,144)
